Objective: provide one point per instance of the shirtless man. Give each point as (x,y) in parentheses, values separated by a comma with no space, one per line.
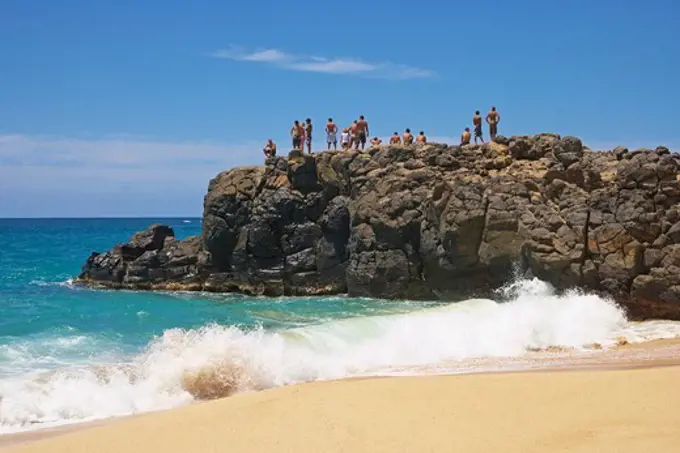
(395,139)
(421,139)
(269,149)
(477,122)
(353,137)
(465,137)
(331,134)
(308,134)
(362,131)
(375,142)
(493,118)
(408,137)
(296,134)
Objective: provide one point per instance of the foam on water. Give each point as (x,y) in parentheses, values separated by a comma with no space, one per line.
(214,361)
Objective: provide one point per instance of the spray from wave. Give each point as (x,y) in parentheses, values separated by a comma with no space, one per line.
(214,361)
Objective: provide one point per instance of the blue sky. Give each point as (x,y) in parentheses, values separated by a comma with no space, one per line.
(127,108)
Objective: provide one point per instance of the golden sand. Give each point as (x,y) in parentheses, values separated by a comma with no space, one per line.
(626,410)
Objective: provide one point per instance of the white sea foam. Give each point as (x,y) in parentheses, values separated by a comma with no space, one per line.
(215,361)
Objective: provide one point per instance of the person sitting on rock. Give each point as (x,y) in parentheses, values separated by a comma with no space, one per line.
(345,139)
(465,137)
(331,134)
(421,139)
(269,149)
(408,137)
(395,139)
(376,142)
(296,134)
(493,118)
(477,122)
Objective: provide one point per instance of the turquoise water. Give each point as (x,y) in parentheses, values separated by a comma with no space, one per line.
(47,324)
(70,354)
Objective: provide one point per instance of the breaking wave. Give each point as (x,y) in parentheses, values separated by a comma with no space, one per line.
(181,366)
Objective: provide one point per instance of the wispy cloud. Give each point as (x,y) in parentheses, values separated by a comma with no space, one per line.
(347,66)
(62,176)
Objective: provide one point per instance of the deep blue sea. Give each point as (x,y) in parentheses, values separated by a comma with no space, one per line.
(71,354)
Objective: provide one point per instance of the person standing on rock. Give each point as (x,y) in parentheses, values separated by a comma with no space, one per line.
(331,134)
(477,122)
(303,135)
(465,137)
(296,134)
(269,149)
(362,131)
(408,137)
(421,139)
(353,137)
(395,139)
(493,118)
(308,134)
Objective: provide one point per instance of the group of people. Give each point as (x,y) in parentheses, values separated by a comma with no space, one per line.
(356,135)
(492,119)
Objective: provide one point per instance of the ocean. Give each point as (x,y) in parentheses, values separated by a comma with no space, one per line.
(70,354)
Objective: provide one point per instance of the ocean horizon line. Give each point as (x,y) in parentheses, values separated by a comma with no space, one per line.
(147,217)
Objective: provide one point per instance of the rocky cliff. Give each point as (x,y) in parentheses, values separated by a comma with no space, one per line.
(426,222)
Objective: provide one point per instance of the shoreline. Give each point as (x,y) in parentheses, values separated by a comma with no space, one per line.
(635,357)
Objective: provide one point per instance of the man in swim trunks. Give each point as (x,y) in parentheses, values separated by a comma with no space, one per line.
(493,118)
(408,137)
(362,131)
(421,139)
(296,133)
(465,137)
(331,134)
(353,137)
(308,134)
(269,149)
(477,122)
(395,139)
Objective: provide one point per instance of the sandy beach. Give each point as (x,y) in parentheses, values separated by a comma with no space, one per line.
(605,409)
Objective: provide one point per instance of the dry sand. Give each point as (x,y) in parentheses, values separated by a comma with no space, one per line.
(625,410)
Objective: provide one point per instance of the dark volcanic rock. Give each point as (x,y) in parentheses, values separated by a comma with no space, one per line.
(425,222)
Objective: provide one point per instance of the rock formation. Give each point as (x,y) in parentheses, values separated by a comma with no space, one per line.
(424,222)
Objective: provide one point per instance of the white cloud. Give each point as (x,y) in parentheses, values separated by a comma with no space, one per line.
(349,66)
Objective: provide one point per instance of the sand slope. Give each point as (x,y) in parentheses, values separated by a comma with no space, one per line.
(633,410)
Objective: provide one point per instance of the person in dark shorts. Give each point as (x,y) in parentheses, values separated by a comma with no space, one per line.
(477,122)
(308,134)
(296,134)
(395,139)
(362,131)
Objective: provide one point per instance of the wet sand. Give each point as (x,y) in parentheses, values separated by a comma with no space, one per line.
(623,400)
